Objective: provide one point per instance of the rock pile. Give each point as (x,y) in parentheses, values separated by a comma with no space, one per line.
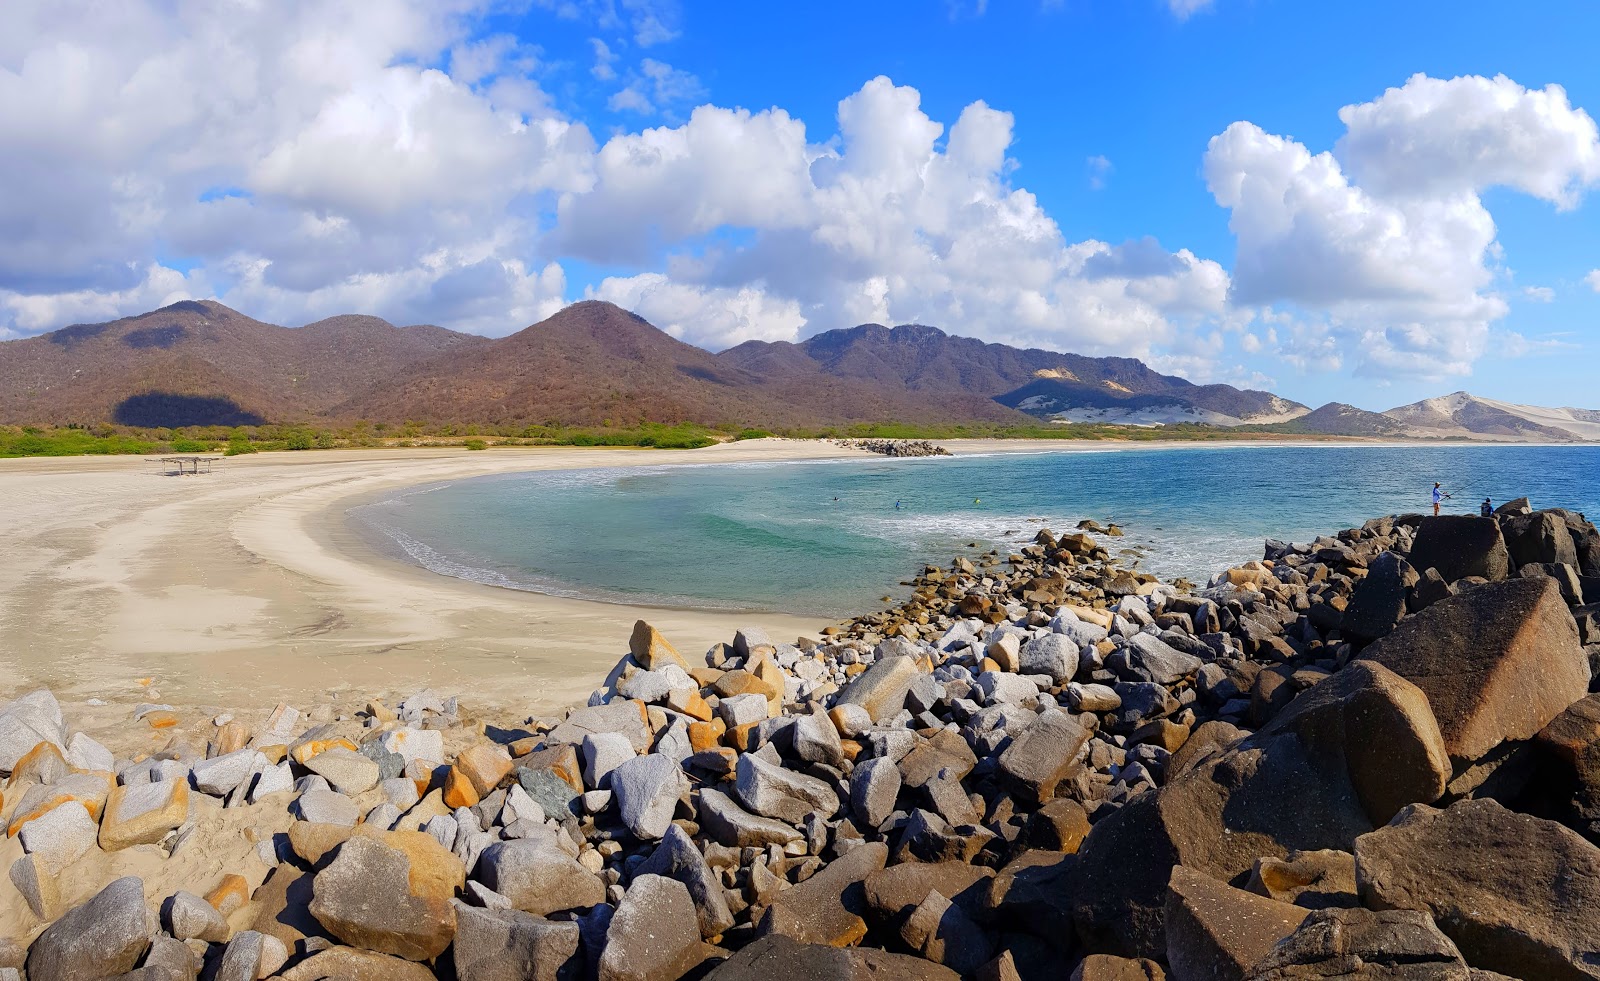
(895,447)
(1371,756)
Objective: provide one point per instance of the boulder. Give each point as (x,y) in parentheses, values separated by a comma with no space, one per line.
(943,933)
(346,770)
(894,892)
(349,964)
(882,688)
(1379,600)
(655,934)
(220,775)
(678,858)
(1218,932)
(776,792)
(484,765)
(777,958)
(1497,662)
(1516,893)
(414,745)
(1059,826)
(510,945)
(1031,894)
(1051,654)
(830,907)
(874,788)
(816,739)
(537,877)
(1321,879)
(1391,945)
(27,722)
(1537,538)
(105,936)
(188,917)
(1572,743)
(1460,546)
(390,891)
(626,717)
(651,650)
(1340,760)
(1046,753)
(647,789)
(142,814)
(732,825)
(60,836)
(242,959)
(1154,660)
(1108,967)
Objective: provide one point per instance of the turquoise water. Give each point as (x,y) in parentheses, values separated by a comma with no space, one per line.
(826,538)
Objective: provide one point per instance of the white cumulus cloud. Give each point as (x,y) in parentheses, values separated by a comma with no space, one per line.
(1387,241)
(881,224)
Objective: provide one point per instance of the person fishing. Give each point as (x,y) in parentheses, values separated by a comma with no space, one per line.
(1438,495)
(1486,509)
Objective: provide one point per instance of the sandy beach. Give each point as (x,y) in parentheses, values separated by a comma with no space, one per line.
(247,587)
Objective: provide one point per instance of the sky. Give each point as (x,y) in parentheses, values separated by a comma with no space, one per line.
(1362,202)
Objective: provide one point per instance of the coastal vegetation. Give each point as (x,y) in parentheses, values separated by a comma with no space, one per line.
(109,440)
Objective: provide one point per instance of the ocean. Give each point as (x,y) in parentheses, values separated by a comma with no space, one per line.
(834,538)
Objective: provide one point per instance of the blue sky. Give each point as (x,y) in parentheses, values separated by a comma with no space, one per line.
(479,166)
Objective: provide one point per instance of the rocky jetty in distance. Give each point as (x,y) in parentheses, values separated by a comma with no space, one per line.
(895,447)
(1374,755)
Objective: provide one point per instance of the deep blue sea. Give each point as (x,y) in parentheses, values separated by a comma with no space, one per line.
(827,537)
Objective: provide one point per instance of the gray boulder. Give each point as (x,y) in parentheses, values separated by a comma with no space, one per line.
(1516,893)
(188,917)
(773,791)
(538,878)
(647,789)
(510,945)
(678,858)
(105,936)
(1052,654)
(655,934)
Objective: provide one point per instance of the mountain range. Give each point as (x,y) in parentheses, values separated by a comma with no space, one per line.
(593,363)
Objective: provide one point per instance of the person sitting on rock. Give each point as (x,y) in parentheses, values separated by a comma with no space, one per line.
(1486,509)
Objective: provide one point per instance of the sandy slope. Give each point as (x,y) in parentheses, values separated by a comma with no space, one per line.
(245,587)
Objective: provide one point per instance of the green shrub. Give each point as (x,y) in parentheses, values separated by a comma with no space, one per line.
(475,444)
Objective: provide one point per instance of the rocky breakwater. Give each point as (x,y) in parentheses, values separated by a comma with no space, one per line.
(895,447)
(1372,756)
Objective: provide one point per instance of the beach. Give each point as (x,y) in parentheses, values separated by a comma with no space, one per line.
(246,587)
(249,586)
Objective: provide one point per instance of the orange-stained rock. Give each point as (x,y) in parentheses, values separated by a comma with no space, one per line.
(316,747)
(88,789)
(142,814)
(232,737)
(160,720)
(851,748)
(458,790)
(651,649)
(739,736)
(484,765)
(705,735)
(274,752)
(705,677)
(689,702)
(41,764)
(562,760)
(312,839)
(230,894)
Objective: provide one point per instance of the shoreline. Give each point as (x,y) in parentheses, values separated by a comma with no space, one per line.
(248,587)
